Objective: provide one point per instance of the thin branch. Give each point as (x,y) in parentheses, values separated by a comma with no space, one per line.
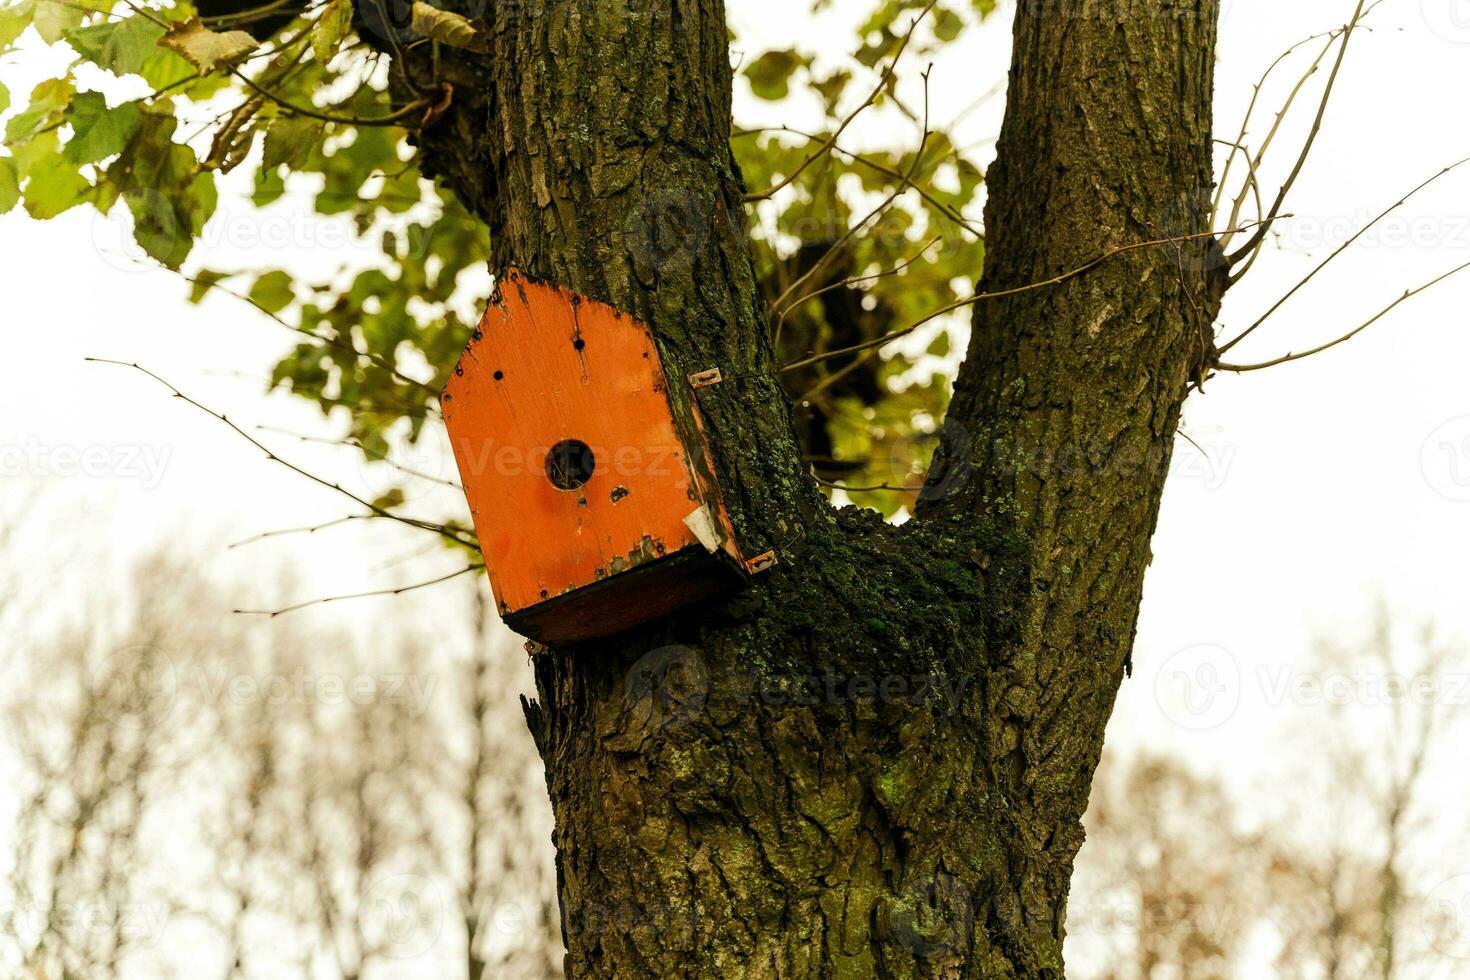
(833,378)
(272,613)
(336,342)
(881,209)
(839,485)
(1349,335)
(1274,213)
(947,210)
(1281,115)
(998,294)
(855,280)
(391,119)
(267,535)
(1342,248)
(883,82)
(1250,111)
(439,529)
(355,443)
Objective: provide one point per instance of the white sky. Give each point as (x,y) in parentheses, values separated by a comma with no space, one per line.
(1328,482)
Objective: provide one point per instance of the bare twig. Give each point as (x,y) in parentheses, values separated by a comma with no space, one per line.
(355,443)
(267,535)
(1350,334)
(998,294)
(1281,114)
(883,83)
(947,210)
(1255,240)
(272,613)
(817,266)
(1342,248)
(1250,111)
(439,529)
(336,342)
(839,485)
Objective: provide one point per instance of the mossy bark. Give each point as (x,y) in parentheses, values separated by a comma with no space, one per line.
(874,761)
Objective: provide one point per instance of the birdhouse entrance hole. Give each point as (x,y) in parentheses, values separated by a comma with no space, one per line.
(570,464)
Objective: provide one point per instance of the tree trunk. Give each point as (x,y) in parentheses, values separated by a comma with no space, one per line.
(874,761)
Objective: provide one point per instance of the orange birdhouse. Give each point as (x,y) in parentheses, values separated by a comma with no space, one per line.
(588,479)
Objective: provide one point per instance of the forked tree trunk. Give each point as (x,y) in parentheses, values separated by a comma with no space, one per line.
(717,813)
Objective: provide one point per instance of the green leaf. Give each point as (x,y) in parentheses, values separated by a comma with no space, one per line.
(770,74)
(202,283)
(272,291)
(330,28)
(947,25)
(97,131)
(14,19)
(123,47)
(393,498)
(4,97)
(9,185)
(290,140)
(269,186)
(52,190)
(47,98)
(939,347)
(206,49)
(52,20)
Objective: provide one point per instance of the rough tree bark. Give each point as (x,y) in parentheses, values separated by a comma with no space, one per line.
(915,811)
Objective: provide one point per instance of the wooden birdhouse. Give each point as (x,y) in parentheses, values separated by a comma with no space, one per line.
(588,479)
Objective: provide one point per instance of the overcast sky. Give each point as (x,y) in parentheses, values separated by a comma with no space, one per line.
(1322,484)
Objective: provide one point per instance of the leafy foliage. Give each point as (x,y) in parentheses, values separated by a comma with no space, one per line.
(850,248)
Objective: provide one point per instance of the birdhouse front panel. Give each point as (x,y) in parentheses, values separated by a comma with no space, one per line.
(590,487)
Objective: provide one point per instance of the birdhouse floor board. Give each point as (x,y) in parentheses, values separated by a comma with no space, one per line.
(639,596)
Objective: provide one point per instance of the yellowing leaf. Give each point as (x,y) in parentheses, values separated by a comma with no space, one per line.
(52,20)
(206,49)
(47,99)
(448,28)
(52,190)
(9,185)
(14,19)
(330,28)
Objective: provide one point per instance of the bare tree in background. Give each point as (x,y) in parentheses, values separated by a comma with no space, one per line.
(204,796)
(1166,882)
(1347,894)
(96,743)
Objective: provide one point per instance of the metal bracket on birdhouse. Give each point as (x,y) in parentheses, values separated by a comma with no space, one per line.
(760,563)
(703,379)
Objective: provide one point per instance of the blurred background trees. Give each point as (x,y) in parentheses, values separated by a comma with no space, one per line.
(201,794)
